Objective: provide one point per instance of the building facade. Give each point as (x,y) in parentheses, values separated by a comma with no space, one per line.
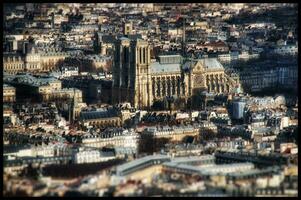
(117,138)
(174,133)
(44,88)
(49,60)
(9,93)
(13,64)
(33,61)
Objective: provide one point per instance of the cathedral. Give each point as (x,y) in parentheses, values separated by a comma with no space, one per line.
(141,81)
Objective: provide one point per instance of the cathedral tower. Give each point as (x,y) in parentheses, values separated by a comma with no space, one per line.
(131,73)
(122,70)
(143,93)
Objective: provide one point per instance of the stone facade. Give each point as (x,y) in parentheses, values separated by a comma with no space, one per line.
(33,61)
(9,93)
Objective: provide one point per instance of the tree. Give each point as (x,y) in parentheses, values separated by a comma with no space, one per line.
(208,134)
(160,143)
(149,144)
(188,139)
(146,144)
(30,172)
(158,105)
(59,64)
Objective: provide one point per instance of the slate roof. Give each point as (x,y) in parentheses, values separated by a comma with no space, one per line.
(212,63)
(188,65)
(28,79)
(140,161)
(96,114)
(157,68)
(182,160)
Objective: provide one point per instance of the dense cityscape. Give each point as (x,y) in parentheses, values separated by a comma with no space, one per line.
(153,99)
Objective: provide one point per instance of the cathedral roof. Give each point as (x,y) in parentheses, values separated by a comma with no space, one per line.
(163,67)
(187,65)
(156,67)
(212,63)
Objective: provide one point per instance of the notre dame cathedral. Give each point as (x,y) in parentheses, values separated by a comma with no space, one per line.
(141,81)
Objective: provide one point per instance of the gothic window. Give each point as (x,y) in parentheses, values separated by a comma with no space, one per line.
(125,54)
(168,87)
(144,55)
(218,88)
(173,86)
(153,87)
(158,88)
(164,87)
(178,86)
(140,55)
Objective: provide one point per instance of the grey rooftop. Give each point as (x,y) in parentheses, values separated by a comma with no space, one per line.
(212,63)
(158,68)
(192,159)
(90,115)
(141,161)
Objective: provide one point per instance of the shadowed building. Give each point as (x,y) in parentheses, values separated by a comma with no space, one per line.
(41,88)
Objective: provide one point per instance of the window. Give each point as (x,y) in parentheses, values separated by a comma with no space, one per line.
(125,54)
(140,55)
(144,55)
